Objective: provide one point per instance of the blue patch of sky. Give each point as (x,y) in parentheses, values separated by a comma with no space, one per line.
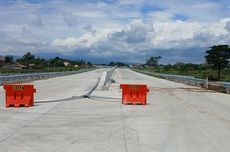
(145,9)
(109,1)
(180,17)
(46,10)
(6,3)
(219,1)
(36,1)
(125,20)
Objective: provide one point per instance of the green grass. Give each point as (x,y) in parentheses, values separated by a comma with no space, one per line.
(212,74)
(47,69)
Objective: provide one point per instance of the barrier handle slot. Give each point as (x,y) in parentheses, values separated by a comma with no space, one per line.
(21,95)
(15,95)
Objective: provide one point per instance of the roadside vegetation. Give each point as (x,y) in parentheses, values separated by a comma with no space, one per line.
(216,65)
(46,69)
(28,63)
(119,64)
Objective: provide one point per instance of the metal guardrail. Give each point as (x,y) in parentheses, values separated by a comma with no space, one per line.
(227,87)
(186,79)
(108,77)
(16,78)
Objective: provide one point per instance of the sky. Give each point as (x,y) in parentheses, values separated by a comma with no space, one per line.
(114,30)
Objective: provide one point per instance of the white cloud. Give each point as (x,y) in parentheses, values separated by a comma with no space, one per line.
(38,22)
(130,29)
(135,32)
(69,42)
(89,28)
(205,6)
(70,19)
(161,15)
(138,37)
(91,14)
(87,40)
(227,26)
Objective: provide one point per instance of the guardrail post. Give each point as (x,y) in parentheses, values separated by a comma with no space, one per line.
(206,83)
(228,90)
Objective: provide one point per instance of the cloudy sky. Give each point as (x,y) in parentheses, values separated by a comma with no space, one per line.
(114,30)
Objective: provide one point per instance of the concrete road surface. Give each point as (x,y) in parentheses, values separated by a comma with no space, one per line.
(178,118)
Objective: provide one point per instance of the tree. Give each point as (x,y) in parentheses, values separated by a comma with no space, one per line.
(40,63)
(28,57)
(89,63)
(9,58)
(120,64)
(153,61)
(82,62)
(57,62)
(167,67)
(217,57)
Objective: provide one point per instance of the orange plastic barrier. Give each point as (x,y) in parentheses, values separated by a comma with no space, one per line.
(134,93)
(19,95)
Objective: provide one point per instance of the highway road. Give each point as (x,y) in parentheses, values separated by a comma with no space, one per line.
(177,118)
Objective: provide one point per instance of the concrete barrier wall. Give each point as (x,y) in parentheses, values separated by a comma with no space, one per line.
(19,78)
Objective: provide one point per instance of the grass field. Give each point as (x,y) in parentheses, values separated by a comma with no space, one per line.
(212,74)
(47,69)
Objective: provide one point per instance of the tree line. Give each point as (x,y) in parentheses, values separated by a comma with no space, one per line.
(31,60)
(217,58)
